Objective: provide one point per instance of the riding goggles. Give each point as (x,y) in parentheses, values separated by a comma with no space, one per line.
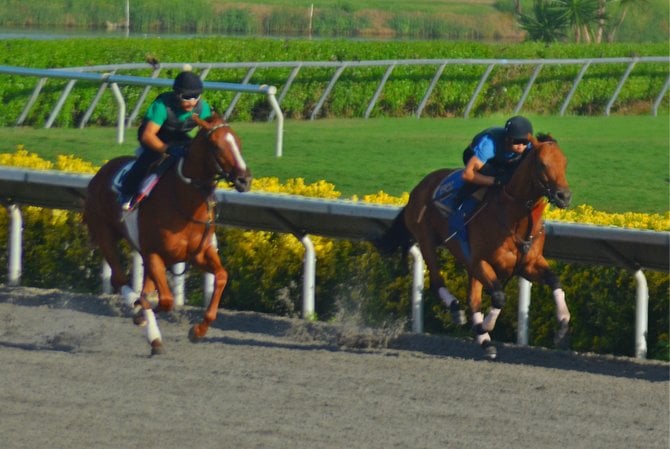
(189,97)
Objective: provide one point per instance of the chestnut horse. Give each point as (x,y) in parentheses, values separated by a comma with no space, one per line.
(505,233)
(174,224)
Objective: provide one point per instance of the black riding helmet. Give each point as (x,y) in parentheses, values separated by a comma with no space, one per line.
(518,127)
(187,84)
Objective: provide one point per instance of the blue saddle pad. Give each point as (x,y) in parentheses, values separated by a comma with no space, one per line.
(446,191)
(117,180)
(444,196)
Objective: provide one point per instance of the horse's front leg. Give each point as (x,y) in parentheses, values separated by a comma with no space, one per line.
(484,276)
(480,325)
(540,272)
(154,278)
(209,261)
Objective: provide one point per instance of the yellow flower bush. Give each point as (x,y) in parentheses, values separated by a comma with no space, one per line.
(586,214)
(25,159)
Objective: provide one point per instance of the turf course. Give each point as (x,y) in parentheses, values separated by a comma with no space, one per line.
(616,164)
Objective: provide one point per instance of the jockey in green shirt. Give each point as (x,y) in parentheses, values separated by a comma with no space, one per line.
(165,129)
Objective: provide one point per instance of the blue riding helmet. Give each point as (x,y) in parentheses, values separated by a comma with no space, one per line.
(518,127)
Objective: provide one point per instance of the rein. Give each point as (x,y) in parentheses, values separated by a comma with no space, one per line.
(530,205)
(228,176)
(204,188)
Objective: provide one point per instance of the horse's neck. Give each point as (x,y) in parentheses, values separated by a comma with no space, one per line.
(195,167)
(521,192)
(196,182)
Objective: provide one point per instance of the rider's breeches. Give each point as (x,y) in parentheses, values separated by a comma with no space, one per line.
(138,171)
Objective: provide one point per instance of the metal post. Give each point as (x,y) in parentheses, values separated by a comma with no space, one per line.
(641,315)
(280,121)
(106,277)
(15,245)
(138,272)
(580,75)
(479,88)
(177,283)
(309,275)
(524,307)
(122,112)
(417,289)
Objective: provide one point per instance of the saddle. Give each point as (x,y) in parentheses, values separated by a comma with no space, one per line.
(457,204)
(155,173)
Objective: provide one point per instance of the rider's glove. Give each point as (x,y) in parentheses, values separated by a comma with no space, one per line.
(497,181)
(175,150)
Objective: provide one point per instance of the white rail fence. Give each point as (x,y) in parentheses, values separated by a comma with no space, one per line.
(634,250)
(113,81)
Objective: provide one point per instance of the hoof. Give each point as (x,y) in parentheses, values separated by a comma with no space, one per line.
(194,335)
(139,320)
(157,347)
(490,351)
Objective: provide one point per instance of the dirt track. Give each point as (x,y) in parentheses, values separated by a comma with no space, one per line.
(75,373)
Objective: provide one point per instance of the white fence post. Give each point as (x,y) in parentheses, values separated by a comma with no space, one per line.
(417,289)
(309,275)
(106,277)
(15,245)
(522,314)
(641,315)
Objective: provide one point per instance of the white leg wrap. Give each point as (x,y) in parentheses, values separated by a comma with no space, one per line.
(478,318)
(129,296)
(153,333)
(490,320)
(562,312)
(446,296)
(481,339)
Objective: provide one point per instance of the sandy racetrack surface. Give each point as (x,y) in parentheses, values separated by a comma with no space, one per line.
(75,373)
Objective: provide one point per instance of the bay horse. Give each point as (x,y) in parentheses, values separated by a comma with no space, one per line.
(505,233)
(175,223)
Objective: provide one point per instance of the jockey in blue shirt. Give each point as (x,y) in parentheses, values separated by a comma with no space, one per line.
(493,154)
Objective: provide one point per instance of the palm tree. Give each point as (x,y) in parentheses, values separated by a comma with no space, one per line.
(547,22)
(582,15)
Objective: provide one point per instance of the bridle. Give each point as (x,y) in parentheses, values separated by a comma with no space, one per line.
(228,176)
(539,180)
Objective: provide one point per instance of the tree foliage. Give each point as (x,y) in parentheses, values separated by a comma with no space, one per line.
(587,20)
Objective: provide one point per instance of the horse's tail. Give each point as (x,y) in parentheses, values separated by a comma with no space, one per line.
(396,236)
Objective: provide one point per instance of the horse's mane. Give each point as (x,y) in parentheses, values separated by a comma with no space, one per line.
(545,137)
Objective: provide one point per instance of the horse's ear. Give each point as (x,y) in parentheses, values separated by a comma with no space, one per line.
(199,121)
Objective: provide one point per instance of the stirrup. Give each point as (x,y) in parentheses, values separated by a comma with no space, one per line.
(126,201)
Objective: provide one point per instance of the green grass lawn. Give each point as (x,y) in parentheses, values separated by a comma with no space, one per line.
(616,164)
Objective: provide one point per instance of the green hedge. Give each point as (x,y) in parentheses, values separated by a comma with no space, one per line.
(351,95)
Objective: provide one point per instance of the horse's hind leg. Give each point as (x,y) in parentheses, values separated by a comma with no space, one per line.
(107,241)
(437,285)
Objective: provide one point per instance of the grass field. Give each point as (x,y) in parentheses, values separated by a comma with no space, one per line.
(616,164)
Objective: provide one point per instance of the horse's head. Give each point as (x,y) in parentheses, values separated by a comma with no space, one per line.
(224,152)
(549,170)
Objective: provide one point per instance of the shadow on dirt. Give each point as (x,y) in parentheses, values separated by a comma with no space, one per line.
(297,334)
